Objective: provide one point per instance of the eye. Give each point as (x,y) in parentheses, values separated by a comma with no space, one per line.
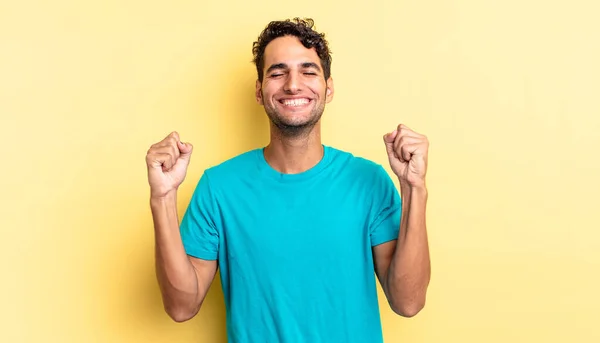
(310,73)
(276,75)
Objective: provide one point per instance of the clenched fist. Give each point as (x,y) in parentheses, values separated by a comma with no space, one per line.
(167,163)
(407,152)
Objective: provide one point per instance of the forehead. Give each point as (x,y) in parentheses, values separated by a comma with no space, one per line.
(288,50)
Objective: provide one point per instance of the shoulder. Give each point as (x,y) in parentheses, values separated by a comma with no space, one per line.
(360,172)
(241,164)
(225,176)
(356,165)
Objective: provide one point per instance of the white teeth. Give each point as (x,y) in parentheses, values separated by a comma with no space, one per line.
(295,102)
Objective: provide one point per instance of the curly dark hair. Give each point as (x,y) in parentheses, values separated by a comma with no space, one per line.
(300,28)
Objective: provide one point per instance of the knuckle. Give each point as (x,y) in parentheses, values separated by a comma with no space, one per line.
(171,141)
(174,150)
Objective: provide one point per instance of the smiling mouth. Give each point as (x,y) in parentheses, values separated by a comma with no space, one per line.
(295,102)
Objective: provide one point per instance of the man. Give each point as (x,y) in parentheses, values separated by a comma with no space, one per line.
(298,229)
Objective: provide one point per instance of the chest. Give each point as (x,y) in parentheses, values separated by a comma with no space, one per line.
(296,227)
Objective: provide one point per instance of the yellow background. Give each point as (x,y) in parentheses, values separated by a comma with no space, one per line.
(507,92)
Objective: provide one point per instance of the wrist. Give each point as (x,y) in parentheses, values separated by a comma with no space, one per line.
(408,188)
(158,200)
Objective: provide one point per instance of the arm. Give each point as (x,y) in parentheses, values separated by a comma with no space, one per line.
(183,280)
(403,265)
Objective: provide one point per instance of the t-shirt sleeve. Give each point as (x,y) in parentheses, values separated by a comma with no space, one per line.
(198,228)
(386,210)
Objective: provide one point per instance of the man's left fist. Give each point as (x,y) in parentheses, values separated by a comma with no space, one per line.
(407,152)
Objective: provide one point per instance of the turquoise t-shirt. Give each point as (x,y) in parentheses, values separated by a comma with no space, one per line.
(295,250)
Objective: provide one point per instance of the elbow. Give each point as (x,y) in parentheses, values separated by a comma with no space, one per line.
(407,301)
(180,314)
(179,317)
(408,309)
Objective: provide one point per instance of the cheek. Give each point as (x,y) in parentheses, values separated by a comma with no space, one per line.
(317,86)
(268,89)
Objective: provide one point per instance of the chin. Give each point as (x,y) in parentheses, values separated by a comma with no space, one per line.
(291,127)
(292,123)
(292,119)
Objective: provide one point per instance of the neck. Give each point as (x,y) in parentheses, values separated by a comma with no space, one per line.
(294,154)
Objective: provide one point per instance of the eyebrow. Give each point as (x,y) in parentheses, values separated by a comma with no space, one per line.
(277,66)
(285,66)
(311,65)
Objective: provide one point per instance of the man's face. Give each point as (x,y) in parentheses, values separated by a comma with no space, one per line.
(294,90)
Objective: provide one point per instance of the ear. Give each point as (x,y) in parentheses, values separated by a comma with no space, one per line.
(258,93)
(329,91)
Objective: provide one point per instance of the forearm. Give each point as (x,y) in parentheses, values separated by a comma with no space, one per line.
(409,272)
(176,275)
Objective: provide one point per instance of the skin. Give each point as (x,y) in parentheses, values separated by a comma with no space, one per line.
(403,266)
(292,72)
(183,280)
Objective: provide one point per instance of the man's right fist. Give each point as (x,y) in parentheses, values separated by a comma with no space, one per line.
(167,163)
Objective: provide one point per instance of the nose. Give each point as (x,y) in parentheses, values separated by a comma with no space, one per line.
(292,83)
